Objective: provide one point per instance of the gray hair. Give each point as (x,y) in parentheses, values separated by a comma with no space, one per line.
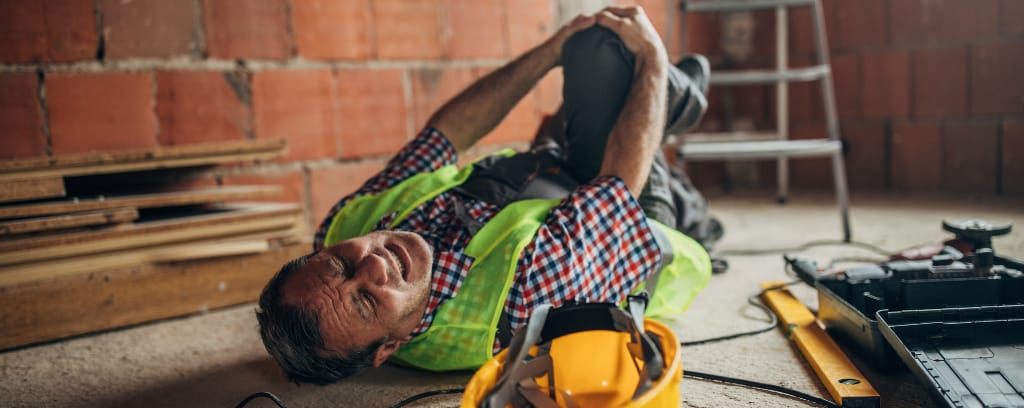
(291,334)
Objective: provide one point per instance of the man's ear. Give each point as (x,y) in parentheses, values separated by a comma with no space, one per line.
(386,350)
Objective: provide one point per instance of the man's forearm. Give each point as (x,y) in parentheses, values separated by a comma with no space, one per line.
(477,110)
(474,112)
(637,133)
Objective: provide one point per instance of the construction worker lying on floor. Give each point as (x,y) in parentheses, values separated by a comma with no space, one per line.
(433,266)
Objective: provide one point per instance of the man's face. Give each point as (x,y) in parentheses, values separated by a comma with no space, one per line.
(365,289)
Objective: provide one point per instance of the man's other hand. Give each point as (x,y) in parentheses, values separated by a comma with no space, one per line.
(553,45)
(637,34)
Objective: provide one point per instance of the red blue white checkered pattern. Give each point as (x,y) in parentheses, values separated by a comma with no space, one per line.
(429,151)
(595,245)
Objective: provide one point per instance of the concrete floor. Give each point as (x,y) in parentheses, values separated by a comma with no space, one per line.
(216,359)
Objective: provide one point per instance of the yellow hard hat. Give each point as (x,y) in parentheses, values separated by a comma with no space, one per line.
(583,355)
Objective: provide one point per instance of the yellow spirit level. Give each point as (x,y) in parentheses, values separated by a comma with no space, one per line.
(849,388)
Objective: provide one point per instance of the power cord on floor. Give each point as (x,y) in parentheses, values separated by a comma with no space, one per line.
(427,394)
(774,320)
(692,374)
(264,394)
(399,404)
(803,247)
(762,386)
(689,374)
(852,259)
(752,300)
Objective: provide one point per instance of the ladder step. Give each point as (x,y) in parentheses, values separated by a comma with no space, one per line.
(761,150)
(768,76)
(721,137)
(741,5)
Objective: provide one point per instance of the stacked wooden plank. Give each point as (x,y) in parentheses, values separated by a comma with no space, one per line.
(92,242)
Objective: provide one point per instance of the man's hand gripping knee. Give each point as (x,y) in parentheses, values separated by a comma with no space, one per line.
(637,133)
(637,34)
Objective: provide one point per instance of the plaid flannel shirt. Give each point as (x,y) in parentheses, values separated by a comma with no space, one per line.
(596,245)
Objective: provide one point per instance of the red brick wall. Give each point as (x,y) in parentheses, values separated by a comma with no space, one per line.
(930,94)
(925,87)
(345,82)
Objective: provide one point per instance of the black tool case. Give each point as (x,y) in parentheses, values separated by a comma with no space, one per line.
(851,326)
(848,308)
(956,320)
(972,357)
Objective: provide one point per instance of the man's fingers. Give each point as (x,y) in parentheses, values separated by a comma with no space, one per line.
(633,28)
(581,21)
(627,11)
(633,14)
(611,21)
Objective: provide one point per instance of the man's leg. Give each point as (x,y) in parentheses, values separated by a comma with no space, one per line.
(598,73)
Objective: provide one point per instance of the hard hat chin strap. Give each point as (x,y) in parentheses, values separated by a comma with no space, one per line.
(517,385)
(506,391)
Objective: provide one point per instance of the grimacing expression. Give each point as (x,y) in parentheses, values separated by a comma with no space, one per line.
(365,289)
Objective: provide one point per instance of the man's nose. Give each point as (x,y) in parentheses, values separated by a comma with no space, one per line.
(375,269)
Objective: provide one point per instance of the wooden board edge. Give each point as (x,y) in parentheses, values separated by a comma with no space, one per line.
(228,213)
(153,200)
(153,164)
(228,227)
(166,253)
(70,220)
(22,190)
(164,152)
(118,297)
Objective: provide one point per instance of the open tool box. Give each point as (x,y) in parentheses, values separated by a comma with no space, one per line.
(956,320)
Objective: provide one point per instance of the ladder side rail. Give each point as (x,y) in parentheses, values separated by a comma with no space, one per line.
(832,121)
(781,100)
(827,88)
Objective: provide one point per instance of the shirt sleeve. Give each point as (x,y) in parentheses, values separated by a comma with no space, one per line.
(428,151)
(596,246)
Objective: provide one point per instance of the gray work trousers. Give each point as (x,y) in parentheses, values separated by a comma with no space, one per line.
(598,72)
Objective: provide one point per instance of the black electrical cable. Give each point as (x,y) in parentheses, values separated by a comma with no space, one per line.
(691,374)
(427,394)
(768,327)
(851,259)
(263,394)
(762,386)
(803,247)
(754,384)
(773,319)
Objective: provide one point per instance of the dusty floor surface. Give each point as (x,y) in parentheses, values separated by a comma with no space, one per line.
(216,359)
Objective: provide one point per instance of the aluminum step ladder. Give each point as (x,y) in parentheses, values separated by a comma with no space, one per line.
(776,144)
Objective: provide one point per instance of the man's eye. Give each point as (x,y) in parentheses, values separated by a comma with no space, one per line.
(343,265)
(369,301)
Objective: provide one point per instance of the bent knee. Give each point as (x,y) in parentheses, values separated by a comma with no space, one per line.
(597,52)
